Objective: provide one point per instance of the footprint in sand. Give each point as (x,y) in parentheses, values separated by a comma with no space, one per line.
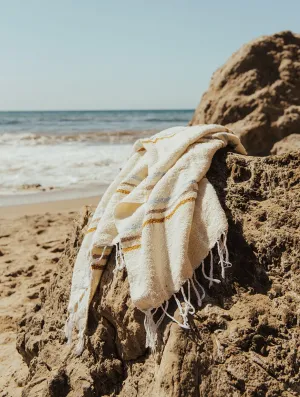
(16,273)
(40,231)
(34,295)
(46,247)
(4,235)
(57,249)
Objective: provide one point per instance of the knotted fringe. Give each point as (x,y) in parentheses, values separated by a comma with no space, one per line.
(185,308)
(151,326)
(120,260)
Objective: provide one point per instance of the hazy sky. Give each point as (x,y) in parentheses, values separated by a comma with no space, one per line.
(125,54)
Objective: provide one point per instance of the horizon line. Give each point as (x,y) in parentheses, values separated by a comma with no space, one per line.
(93,110)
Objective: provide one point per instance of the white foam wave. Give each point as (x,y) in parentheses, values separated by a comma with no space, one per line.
(33,139)
(59,166)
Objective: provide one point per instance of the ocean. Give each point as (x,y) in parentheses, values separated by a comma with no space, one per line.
(47,155)
(72,122)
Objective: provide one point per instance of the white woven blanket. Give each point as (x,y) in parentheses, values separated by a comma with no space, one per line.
(164,217)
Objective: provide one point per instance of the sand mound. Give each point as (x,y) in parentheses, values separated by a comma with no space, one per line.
(290,143)
(243,340)
(257,92)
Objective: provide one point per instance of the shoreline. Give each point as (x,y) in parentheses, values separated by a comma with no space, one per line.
(36,196)
(51,207)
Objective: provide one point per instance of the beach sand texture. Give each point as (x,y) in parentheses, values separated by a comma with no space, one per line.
(245,334)
(32,238)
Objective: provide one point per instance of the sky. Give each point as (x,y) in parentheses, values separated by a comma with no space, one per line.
(125,54)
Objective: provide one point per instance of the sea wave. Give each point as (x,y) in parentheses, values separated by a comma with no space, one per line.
(10,122)
(60,166)
(165,120)
(115,137)
(80,122)
(71,119)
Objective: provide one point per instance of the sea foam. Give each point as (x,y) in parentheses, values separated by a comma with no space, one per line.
(63,165)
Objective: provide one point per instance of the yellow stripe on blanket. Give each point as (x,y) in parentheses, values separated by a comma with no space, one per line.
(91,230)
(128,184)
(99,250)
(161,220)
(132,248)
(130,238)
(158,139)
(123,191)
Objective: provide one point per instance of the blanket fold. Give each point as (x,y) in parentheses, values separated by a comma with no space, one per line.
(163,217)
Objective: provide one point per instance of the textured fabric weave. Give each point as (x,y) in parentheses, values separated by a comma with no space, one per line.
(162,215)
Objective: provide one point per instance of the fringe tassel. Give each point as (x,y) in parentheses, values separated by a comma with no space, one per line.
(211,272)
(185,308)
(188,307)
(120,260)
(151,326)
(223,254)
(199,298)
(98,260)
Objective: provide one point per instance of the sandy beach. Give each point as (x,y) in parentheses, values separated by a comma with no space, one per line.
(53,164)
(32,238)
(186,281)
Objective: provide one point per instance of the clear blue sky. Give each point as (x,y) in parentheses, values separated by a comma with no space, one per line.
(125,54)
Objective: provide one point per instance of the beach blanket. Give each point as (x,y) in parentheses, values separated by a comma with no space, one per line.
(163,217)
